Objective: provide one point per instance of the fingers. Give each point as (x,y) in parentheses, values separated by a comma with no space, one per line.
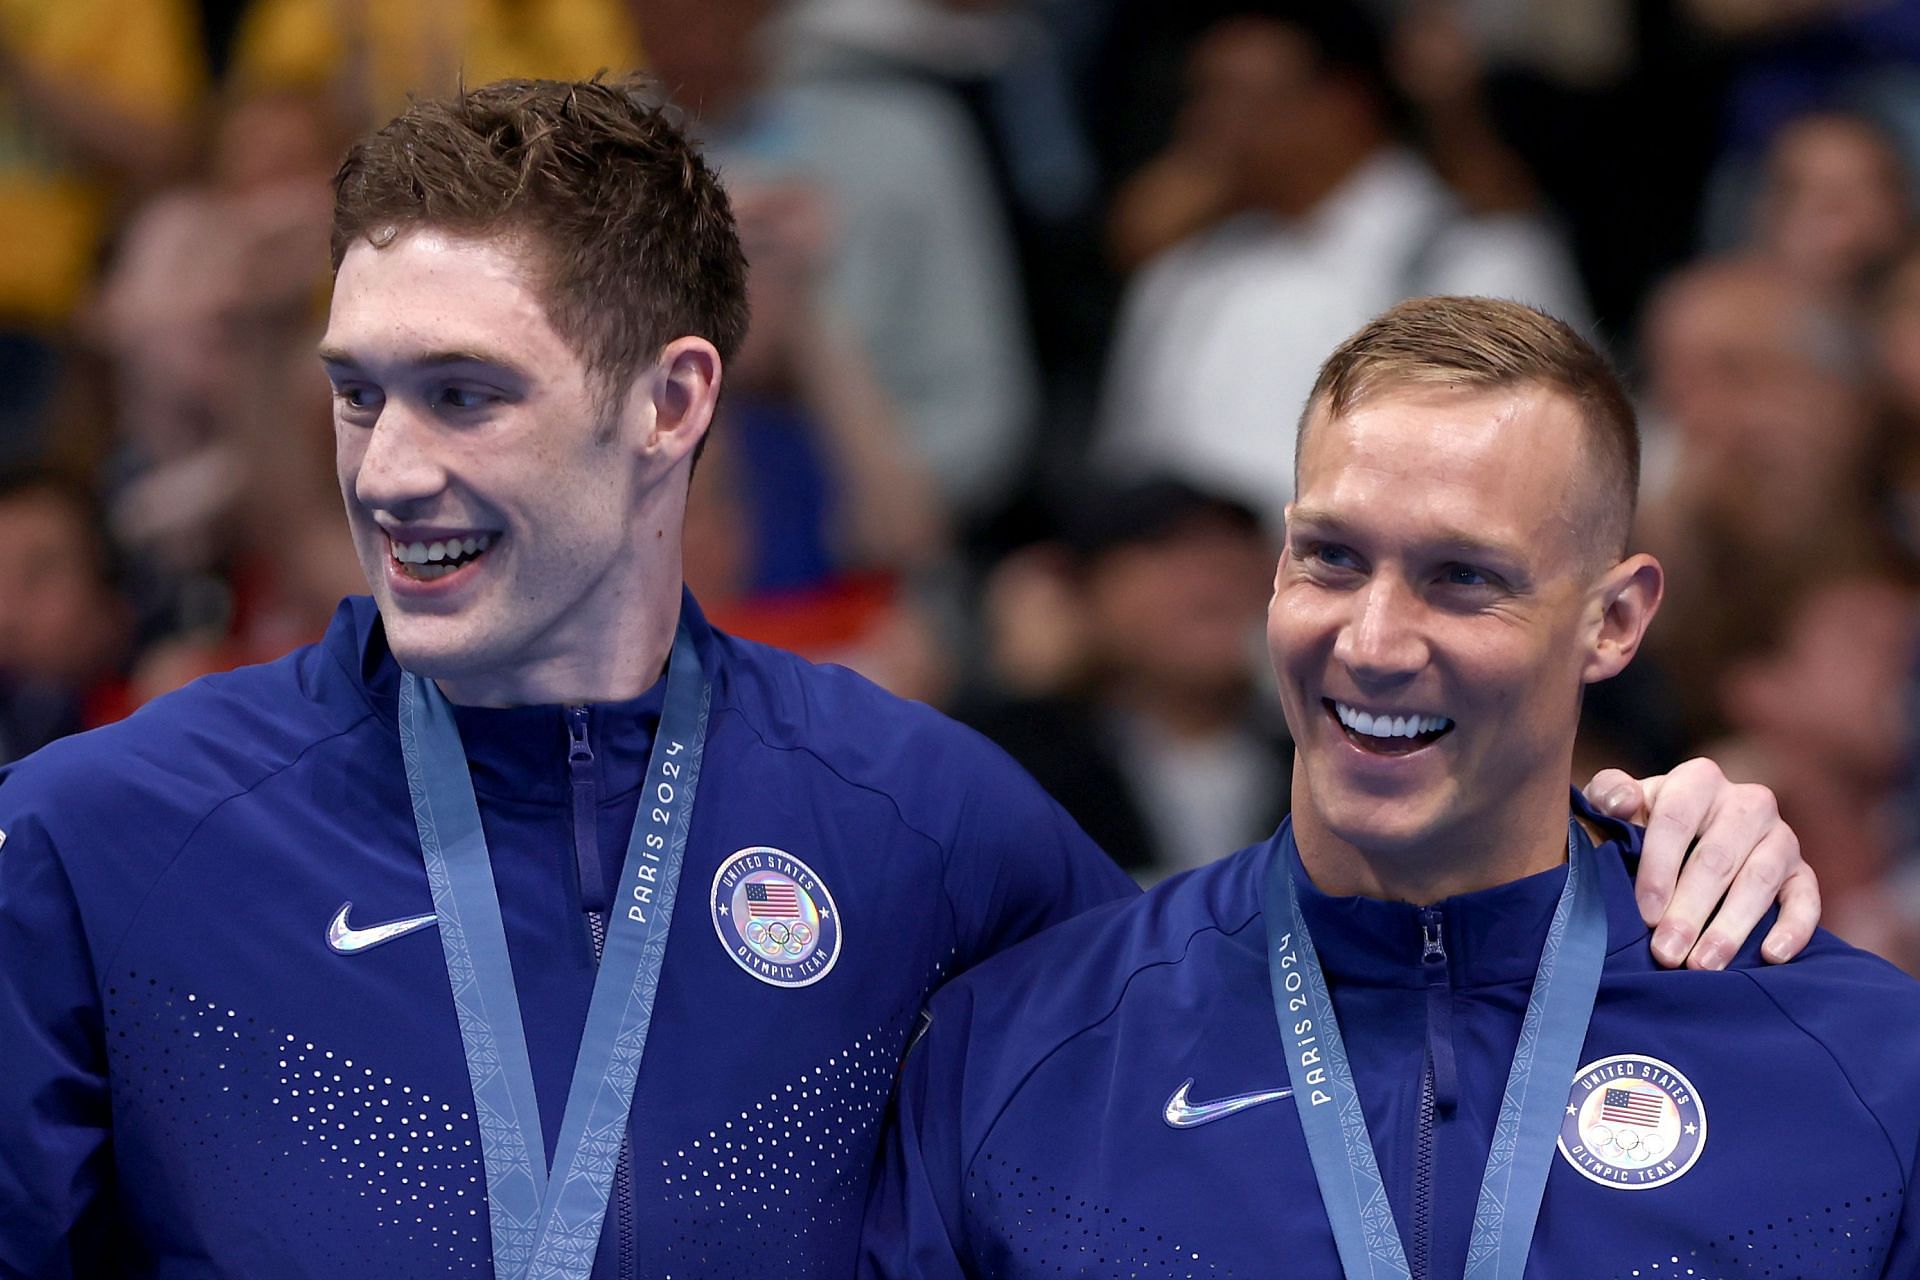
(1754,888)
(1679,811)
(1742,827)
(1616,794)
(1799,915)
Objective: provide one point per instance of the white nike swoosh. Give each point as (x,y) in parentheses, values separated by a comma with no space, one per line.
(1182,1114)
(347,940)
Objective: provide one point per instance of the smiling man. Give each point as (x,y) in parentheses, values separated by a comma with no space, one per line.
(525,923)
(348,965)
(1418,1032)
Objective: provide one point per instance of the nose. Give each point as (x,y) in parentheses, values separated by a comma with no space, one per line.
(398,467)
(1381,642)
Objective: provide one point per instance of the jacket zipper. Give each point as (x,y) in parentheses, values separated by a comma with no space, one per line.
(593,891)
(1439,1086)
(586,827)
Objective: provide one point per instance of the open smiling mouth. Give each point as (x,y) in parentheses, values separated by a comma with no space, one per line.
(1384,734)
(428,560)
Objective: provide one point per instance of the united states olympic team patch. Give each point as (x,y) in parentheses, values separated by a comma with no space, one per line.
(1632,1122)
(775,917)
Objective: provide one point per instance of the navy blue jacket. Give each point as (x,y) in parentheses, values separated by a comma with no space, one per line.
(1101,1101)
(194,1082)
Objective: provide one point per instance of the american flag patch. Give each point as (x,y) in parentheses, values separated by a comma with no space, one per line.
(772,900)
(1628,1106)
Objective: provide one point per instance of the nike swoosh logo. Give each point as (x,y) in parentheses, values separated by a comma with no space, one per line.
(1182,1114)
(347,940)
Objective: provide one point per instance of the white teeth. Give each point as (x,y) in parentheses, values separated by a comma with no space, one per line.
(1386,726)
(436,553)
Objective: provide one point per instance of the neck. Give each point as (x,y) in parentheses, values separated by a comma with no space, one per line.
(1494,849)
(611,646)
(625,666)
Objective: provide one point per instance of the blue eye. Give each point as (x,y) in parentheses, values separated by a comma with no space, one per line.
(357,398)
(1462,575)
(1333,555)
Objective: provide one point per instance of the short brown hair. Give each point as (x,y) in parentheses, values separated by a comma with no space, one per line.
(1490,343)
(630,233)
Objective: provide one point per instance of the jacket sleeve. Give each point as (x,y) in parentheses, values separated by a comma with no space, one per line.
(913,1229)
(1019,863)
(54,1110)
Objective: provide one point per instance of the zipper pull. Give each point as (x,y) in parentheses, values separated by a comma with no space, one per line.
(579,750)
(1433,950)
(586,835)
(1433,959)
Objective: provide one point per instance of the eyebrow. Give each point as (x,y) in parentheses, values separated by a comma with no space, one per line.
(338,358)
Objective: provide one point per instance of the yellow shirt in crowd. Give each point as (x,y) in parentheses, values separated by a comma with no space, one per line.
(141,59)
(375,52)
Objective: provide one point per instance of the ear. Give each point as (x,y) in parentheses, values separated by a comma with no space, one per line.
(682,389)
(1625,599)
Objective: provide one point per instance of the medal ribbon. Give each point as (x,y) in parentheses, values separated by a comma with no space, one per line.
(548,1228)
(1544,1063)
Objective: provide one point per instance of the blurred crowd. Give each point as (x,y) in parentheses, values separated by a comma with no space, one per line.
(1038,289)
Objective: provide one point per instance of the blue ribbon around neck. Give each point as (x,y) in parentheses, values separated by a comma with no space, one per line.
(547,1226)
(1543,1068)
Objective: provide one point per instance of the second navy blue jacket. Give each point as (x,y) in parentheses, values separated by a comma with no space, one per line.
(1111,1098)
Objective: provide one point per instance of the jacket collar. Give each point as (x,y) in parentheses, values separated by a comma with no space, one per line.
(520,753)
(1491,937)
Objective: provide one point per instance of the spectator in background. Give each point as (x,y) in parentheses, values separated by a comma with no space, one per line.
(1764,479)
(95,102)
(1293,213)
(1007,53)
(1019,70)
(810,515)
(210,312)
(1128,656)
(367,56)
(63,631)
(918,265)
(1835,206)
(1895,330)
(1819,718)
(1795,56)
(202,265)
